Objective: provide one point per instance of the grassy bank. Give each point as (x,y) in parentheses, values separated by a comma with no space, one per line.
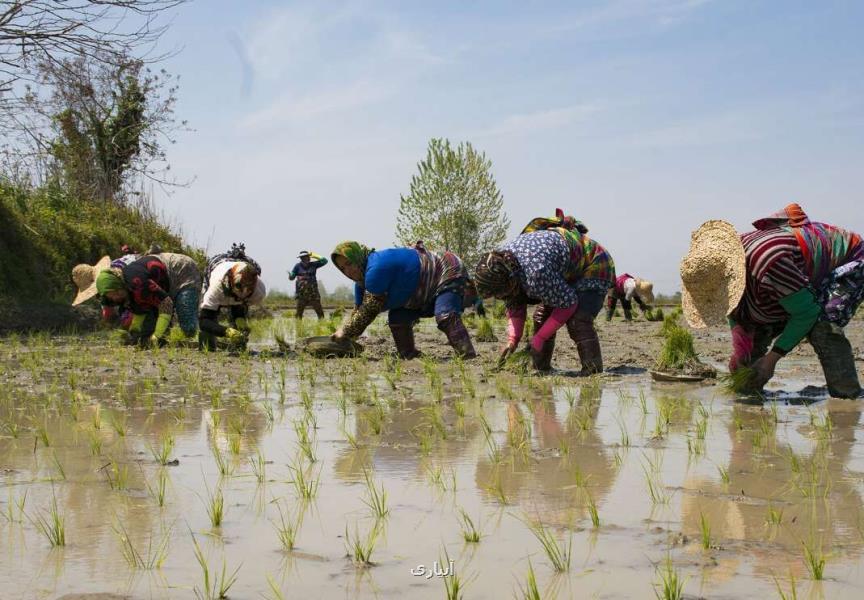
(45,232)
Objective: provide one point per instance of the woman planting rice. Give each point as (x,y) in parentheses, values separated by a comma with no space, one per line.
(159,284)
(629,289)
(566,273)
(232,280)
(409,284)
(788,280)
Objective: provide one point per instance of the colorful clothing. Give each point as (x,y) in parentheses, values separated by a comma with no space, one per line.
(306,275)
(393,272)
(556,264)
(186,307)
(389,274)
(148,283)
(217,294)
(786,266)
(559,220)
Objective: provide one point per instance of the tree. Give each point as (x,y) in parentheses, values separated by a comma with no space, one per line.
(102,125)
(454,203)
(55,29)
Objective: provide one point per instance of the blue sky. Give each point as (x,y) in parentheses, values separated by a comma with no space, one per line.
(641,117)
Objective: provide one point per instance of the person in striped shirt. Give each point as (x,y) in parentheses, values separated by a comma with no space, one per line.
(803,279)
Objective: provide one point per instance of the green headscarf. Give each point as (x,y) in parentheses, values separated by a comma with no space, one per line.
(109,281)
(354,252)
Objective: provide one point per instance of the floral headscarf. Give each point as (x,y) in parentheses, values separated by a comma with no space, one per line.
(354,252)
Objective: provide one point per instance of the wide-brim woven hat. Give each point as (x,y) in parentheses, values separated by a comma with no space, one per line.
(645,290)
(713,274)
(84,278)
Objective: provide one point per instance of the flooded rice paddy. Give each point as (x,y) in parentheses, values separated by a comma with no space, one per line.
(176,474)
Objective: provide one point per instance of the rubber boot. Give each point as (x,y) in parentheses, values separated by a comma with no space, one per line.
(628,314)
(542,360)
(837,360)
(453,327)
(403,336)
(582,332)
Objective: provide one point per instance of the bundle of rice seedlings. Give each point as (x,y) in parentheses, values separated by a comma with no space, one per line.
(519,362)
(655,315)
(678,353)
(670,323)
(485,333)
(740,381)
(677,350)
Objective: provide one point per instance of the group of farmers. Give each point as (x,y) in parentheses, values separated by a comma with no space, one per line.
(787,280)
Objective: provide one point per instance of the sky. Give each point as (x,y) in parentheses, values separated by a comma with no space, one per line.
(643,118)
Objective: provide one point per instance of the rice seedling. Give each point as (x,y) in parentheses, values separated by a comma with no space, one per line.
(701,429)
(793,588)
(678,351)
(656,490)
(774,515)
(814,559)
(259,468)
(154,556)
(234,443)
(740,381)
(704,531)
(215,506)
(453,583)
(496,488)
(215,587)
(558,553)
(360,548)
(94,440)
(269,417)
(470,532)
(485,332)
(724,474)
(670,585)
(376,499)
(304,482)
(117,475)
(287,527)
(592,511)
(625,436)
(41,432)
(643,401)
(531,591)
(580,479)
(226,467)
(12,504)
(52,525)
(159,489)
(162,451)
(117,420)
(59,466)
(97,417)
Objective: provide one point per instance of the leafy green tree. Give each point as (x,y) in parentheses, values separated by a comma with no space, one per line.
(454,203)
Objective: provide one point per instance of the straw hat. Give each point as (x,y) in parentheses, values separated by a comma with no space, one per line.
(645,290)
(84,278)
(713,274)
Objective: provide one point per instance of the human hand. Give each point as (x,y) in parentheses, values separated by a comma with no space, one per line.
(764,368)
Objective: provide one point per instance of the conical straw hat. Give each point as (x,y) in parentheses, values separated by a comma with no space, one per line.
(713,274)
(645,290)
(84,278)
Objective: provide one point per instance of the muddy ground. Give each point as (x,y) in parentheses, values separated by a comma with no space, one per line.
(623,473)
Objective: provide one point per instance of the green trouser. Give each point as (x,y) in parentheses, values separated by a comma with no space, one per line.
(831,346)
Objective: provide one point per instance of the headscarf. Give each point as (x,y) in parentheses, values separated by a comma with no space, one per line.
(791,216)
(240,280)
(559,220)
(109,280)
(494,272)
(354,252)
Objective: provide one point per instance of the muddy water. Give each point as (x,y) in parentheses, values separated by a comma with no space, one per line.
(507,450)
